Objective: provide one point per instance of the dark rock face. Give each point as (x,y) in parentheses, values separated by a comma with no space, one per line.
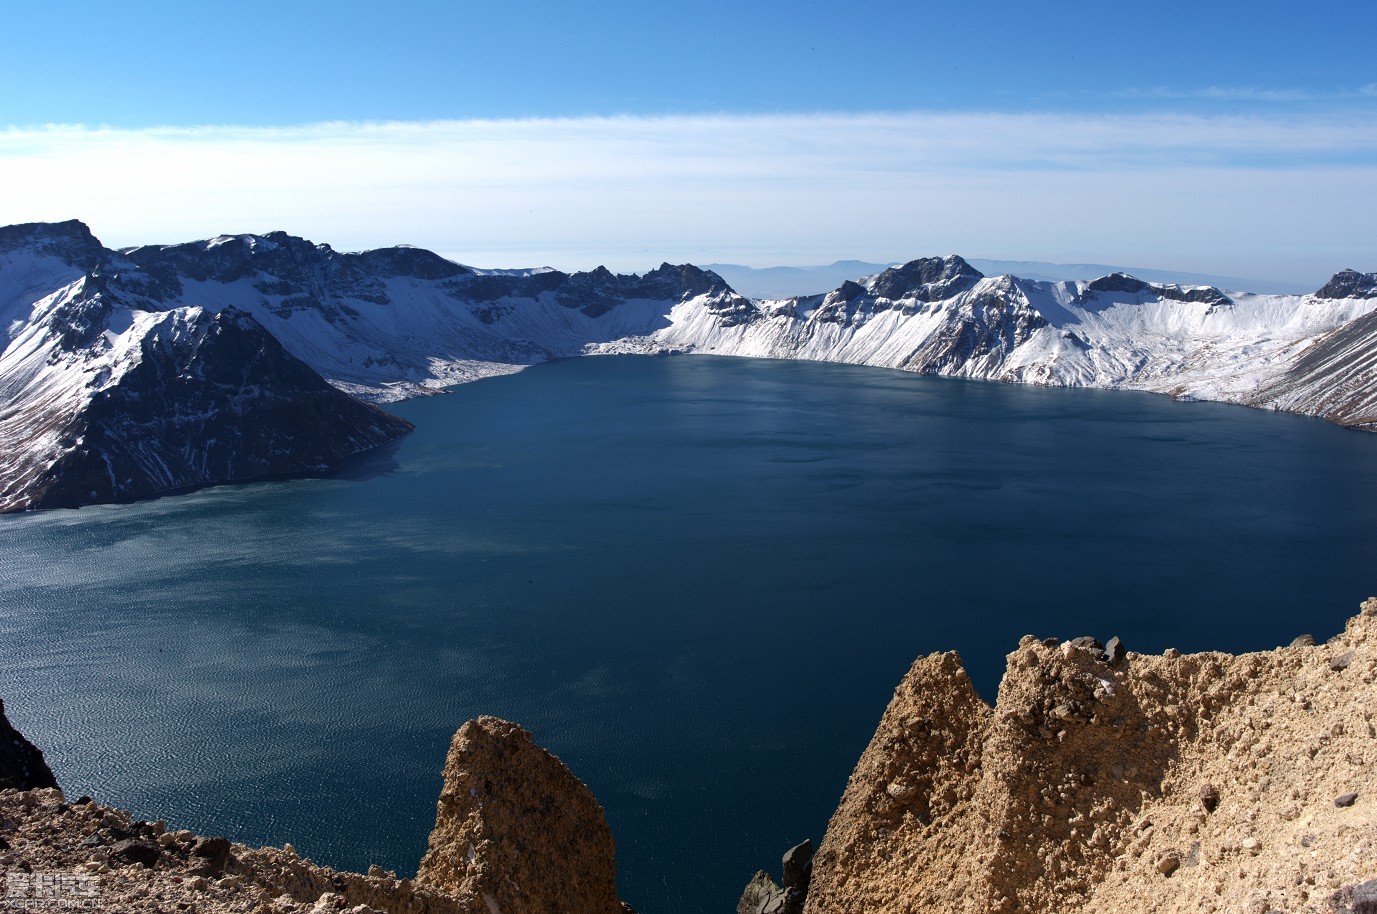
(305,275)
(1349,284)
(763,896)
(21,763)
(210,855)
(1118,282)
(798,866)
(414,262)
(757,894)
(213,398)
(314,276)
(1131,285)
(1208,295)
(136,850)
(70,241)
(600,290)
(927,279)
(1355,899)
(989,324)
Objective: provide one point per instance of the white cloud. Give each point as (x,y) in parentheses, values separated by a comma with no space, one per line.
(1223,93)
(1150,189)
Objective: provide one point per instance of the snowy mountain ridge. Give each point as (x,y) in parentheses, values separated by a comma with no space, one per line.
(1314,354)
(233,338)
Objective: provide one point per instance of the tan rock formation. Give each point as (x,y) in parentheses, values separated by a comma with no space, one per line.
(515,832)
(515,828)
(1170,783)
(83,855)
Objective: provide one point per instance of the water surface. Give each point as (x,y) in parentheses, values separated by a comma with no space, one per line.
(696,580)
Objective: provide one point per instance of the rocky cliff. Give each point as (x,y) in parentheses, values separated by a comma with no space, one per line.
(515,833)
(1101,781)
(1107,781)
(515,828)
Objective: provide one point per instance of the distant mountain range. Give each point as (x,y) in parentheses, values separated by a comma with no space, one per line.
(785,282)
(129,373)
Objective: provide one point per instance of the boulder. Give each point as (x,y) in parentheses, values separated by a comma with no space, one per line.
(517,830)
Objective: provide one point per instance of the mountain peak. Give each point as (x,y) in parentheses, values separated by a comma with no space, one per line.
(1117,282)
(1132,285)
(70,241)
(1349,284)
(928,278)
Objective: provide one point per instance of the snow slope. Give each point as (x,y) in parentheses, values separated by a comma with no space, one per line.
(78,320)
(1313,354)
(100,401)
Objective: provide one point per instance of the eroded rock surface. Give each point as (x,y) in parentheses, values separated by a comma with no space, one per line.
(515,833)
(515,828)
(1196,783)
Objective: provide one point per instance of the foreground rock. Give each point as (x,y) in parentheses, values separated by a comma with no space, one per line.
(515,828)
(528,838)
(1102,781)
(97,856)
(762,896)
(1170,783)
(21,763)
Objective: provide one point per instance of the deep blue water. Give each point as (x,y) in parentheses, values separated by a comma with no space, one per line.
(696,580)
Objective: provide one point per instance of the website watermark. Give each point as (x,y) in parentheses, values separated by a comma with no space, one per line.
(52,891)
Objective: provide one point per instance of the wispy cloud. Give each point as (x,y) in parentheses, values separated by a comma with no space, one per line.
(629,190)
(1245,94)
(1221,93)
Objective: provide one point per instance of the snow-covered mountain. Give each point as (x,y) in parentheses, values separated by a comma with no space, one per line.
(101,400)
(129,373)
(115,361)
(398,322)
(789,282)
(1313,354)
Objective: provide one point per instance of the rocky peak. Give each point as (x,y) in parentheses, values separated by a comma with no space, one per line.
(228,258)
(600,290)
(848,291)
(515,828)
(927,279)
(1349,284)
(1118,282)
(681,281)
(1132,285)
(408,261)
(1102,777)
(70,241)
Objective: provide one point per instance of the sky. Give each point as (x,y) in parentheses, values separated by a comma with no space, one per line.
(1172,135)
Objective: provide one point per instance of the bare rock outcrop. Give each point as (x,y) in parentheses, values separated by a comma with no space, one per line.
(515,828)
(515,832)
(1111,783)
(56,854)
(21,762)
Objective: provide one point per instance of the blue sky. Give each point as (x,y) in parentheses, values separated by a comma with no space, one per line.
(1196,136)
